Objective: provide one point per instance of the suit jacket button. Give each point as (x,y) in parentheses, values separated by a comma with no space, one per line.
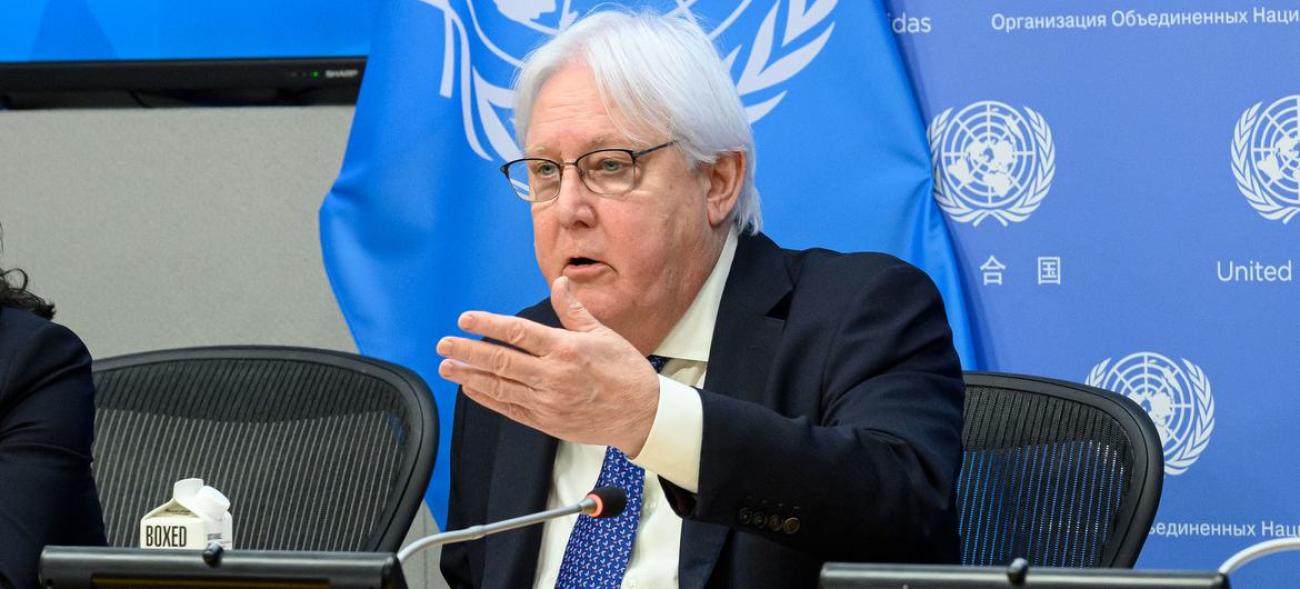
(759,518)
(790,526)
(744,516)
(774,522)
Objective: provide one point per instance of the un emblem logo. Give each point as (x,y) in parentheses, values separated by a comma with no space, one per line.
(1266,158)
(990,160)
(1176,397)
(482,64)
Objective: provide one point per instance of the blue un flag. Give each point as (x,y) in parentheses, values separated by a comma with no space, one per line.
(420,225)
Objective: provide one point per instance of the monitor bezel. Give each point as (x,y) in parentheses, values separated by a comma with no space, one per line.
(176,75)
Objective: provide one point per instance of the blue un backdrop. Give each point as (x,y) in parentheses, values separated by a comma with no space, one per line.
(1121,179)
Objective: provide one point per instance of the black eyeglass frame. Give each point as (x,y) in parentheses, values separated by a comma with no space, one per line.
(633,155)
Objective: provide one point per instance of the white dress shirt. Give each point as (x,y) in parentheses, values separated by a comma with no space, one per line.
(672,450)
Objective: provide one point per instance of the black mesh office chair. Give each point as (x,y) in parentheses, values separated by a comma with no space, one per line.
(1058,473)
(316,450)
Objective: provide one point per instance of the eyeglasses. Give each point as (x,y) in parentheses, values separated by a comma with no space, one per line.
(608,172)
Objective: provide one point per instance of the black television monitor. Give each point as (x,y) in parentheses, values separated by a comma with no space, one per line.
(896,576)
(151,46)
(63,567)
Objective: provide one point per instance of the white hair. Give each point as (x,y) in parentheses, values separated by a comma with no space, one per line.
(663,75)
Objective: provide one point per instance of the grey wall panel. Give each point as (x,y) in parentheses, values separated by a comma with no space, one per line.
(175,227)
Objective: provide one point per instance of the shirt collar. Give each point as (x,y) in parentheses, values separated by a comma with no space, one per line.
(691,338)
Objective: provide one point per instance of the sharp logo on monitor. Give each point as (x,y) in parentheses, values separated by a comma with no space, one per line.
(342,74)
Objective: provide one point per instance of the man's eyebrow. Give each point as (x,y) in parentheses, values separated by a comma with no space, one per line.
(609,141)
(604,141)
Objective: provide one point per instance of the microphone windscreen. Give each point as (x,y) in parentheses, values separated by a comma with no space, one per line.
(610,501)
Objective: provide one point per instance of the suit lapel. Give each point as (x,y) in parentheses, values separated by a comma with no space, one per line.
(745,337)
(521,479)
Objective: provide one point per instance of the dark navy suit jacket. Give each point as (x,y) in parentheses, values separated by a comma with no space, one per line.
(832,432)
(47,421)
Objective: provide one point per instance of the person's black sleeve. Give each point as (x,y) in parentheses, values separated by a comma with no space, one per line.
(47,415)
(454,560)
(871,478)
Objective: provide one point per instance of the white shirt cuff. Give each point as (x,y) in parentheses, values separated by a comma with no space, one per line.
(672,450)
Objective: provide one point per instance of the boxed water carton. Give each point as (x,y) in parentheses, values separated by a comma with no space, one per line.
(196,515)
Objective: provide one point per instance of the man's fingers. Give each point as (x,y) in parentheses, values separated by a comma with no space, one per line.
(572,313)
(501,395)
(493,358)
(517,413)
(502,389)
(530,336)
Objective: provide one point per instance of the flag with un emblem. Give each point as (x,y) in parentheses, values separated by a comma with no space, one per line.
(421,225)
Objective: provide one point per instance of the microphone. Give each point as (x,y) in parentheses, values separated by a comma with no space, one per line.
(609,502)
(599,503)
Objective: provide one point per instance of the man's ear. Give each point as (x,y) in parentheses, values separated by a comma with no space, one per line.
(726,175)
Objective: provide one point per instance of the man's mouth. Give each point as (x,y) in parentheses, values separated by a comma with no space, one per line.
(582,268)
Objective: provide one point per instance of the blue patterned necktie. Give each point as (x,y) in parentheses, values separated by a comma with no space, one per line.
(599,549)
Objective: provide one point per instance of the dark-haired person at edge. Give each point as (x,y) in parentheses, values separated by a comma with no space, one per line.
(47,420)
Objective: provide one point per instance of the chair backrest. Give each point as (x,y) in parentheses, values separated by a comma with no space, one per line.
(317,450)
(1061,474)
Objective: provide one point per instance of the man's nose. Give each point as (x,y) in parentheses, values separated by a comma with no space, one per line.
(574,203)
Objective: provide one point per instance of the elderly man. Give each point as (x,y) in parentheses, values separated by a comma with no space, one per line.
(807,405)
